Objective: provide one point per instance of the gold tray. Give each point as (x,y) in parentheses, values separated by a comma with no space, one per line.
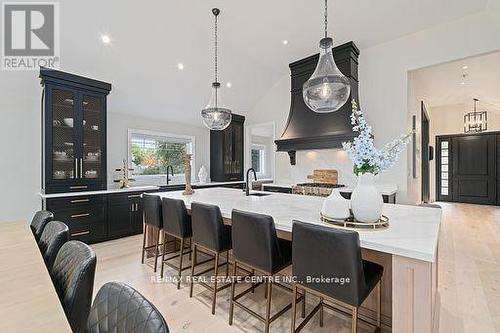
(351,223)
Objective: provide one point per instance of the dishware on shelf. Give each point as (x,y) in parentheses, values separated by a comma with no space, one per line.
(56,123)
(92,157)
(336,206)
(68,122)
(95,128)
(59,174)
(69,144)
(91,174)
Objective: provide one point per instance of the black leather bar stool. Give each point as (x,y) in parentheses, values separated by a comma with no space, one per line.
(325,252)
(210,236)
(39,221)
(73,276)
(257,246)
(119,308)
(153,220)
(177,224)
(53,238)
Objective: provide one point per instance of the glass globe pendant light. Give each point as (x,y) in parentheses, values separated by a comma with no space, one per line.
(214,116)
(327,90)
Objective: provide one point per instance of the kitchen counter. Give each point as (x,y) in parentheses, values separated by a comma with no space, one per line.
(407,249)
(413,231)
(108,191)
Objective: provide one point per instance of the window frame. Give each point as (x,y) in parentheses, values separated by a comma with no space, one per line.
(258,146)
(132,131)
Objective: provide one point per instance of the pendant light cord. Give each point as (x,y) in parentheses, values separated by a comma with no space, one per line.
(326,18)
(216,57)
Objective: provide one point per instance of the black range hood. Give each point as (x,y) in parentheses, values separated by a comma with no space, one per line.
(305,129)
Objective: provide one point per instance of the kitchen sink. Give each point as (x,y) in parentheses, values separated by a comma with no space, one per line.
(260,194)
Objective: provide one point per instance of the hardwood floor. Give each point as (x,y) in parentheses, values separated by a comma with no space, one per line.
(469,282)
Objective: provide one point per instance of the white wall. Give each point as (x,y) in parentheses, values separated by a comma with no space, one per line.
(118,125)
(383,74)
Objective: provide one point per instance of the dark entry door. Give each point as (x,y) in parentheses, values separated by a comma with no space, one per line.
(474,169)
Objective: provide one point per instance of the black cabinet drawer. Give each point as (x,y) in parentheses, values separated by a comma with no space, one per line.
(74,187)
(76,202)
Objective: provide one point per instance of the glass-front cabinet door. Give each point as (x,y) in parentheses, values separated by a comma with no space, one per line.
(63,156)
(93,111)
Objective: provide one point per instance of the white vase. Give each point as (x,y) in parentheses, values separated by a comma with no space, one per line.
(335,206)
(202,175)
(366,199)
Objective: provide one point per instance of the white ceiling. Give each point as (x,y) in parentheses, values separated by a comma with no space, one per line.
(441,84)
(149,38)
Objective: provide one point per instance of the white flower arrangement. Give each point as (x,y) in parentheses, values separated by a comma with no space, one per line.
(362,152)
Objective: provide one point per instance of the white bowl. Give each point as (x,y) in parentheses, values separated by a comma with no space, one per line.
(68,122)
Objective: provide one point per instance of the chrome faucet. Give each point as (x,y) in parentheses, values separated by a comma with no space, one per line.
(247,187)
(169,167)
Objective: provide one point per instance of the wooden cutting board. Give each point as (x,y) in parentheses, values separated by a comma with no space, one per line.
(329,176)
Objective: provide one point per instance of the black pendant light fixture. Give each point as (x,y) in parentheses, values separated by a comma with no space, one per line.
(214,116)
(475,121)
(327,90)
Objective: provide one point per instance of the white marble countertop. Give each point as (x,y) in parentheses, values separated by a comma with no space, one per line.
(413,231)
(108,191)
(385,189)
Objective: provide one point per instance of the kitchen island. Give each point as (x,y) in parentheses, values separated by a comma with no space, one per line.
(407,249)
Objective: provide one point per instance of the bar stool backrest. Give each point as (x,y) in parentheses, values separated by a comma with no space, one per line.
(325,252)
(255,241)
(152,210)
(53,238)
(39,221)
(176,220)
(208,226)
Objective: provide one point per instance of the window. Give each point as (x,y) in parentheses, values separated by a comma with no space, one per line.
(151,152)
(444,168)
(258,158)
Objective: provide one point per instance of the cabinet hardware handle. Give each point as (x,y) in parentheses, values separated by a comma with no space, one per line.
(132,207)
(134,196)
(81,167)
(80,200)
(76,169)
(80,233)
(80,215)
(79,187)
(136,207)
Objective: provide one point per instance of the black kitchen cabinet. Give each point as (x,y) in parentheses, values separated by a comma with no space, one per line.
(227,151)
(124,214)
(85,216)
(74,132)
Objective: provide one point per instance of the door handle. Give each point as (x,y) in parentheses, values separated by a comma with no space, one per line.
(81,167)
(80,215)
(75,175)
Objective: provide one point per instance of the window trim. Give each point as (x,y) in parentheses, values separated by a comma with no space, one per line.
(132,131)
(258,146)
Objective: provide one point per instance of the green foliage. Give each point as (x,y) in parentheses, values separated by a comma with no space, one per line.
(365,168)
(154,161)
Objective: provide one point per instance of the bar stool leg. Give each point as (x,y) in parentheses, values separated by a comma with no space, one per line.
(216,269)
(321,312)
(193,263)
(303,313)
(354,320)
(189,247)
(157,249)
(268,307)
(294,307)
(180,263)
(163,255)
(253,284)
(144,242)
(227,263)
(233,287)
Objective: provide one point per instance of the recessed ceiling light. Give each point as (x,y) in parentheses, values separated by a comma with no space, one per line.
(229,85)
(285,42)
(105,39)
(180,66)
(465,67)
